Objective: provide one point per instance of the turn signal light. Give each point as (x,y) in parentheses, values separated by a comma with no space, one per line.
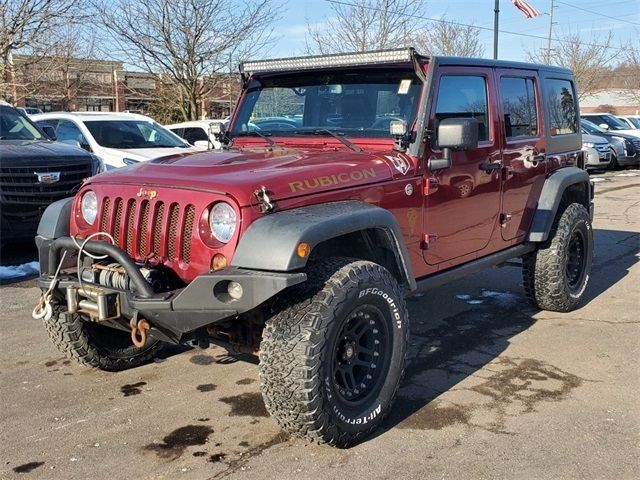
(303,250)
(218,262)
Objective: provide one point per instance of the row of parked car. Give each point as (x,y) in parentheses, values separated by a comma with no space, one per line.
(609,141)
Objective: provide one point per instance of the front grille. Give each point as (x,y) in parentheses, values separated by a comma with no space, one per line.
(20,184)
(142,229)
(636,144)
(602,147)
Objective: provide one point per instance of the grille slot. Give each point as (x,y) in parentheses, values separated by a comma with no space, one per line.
(157,229)
(174,212)
(131,227)
(189,217)
(142,246)
(117,221)
(105,214)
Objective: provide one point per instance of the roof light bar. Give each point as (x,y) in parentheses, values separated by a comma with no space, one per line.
(327,61)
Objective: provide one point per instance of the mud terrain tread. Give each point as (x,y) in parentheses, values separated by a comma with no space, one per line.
(293,341)
(69,334)
(543,270)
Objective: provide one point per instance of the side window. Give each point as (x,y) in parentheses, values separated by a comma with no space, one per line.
(194,134)
(561,103)
(178,131)
(461,96)
(519,107)
(68,132)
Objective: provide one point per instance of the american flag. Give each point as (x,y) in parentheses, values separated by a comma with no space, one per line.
(527,10)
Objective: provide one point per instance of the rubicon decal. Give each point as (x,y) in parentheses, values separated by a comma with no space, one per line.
(329,180)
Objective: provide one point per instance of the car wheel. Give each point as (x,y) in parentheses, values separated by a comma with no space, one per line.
(333,354)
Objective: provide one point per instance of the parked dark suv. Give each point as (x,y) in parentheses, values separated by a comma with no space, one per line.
(34,172)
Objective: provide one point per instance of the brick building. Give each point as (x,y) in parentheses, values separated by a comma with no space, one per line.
(63,84)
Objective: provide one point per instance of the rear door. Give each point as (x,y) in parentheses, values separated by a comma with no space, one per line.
(463,201)
(524,155)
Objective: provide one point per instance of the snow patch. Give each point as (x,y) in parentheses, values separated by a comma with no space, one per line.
(503,298)
(629,174)
(598,179)
(18,271)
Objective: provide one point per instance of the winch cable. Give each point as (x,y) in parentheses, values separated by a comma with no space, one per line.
(43,309)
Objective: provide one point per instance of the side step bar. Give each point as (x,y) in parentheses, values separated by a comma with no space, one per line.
(462,271)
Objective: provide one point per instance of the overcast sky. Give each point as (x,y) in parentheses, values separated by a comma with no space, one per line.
(292,27)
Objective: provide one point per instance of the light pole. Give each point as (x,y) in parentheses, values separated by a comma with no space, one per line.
(548,54)
(496,14)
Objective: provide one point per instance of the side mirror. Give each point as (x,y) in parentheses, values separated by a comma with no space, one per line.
(454,134)
(201,144)
(604,126)
(49,131)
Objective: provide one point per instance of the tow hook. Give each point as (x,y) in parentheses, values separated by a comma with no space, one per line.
(139,333)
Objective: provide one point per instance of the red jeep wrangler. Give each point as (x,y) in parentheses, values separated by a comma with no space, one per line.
(347,183)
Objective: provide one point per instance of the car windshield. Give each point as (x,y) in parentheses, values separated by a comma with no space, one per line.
(361,104)
(14,126)
(614,123)
(591,127)
(635,121)
(132,134)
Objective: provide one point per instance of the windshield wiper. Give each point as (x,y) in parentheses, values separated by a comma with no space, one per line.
(339,136)
(264,136)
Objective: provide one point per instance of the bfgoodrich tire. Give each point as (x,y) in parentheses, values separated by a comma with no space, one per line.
(333,354)
(95,345)
(556,275)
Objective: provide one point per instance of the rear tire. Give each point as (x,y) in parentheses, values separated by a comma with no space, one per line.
(95,345)
(332,356)
(556,275)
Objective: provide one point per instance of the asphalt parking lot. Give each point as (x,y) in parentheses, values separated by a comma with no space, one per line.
(494,389)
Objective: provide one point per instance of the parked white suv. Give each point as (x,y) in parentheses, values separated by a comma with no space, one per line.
(633,121)
(118,138)
(610,122)
(198,133)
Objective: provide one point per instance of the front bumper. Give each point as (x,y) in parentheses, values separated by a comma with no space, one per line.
(175,314)
(596,159)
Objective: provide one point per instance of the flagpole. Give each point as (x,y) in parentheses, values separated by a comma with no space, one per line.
(496,10)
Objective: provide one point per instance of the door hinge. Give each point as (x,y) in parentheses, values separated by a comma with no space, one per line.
(430,186)
(427,240)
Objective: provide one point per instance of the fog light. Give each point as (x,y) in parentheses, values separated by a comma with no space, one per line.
(218,262)
(234,289)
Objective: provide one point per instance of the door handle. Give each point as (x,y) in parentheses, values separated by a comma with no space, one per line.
(490,166)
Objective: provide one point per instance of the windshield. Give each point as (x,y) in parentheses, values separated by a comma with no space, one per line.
(635,121)
(614,123)
(14,126)
(132,134)
(592,127)
(355,104)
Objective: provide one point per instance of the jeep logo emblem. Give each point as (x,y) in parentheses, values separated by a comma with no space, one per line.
(145,192)
(48,177)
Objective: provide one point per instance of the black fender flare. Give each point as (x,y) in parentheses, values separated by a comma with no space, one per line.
(551,196)
(270,243)
(54,222)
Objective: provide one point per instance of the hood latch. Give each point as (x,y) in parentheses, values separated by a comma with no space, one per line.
(266,204)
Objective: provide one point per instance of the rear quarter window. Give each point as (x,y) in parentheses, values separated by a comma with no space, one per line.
(561,105)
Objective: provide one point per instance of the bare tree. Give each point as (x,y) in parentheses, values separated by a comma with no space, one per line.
(187,41)
(26,26)
(630,71)
(588,58)
(361,25)
(444,38)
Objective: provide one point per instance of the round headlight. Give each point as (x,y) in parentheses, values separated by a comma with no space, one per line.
(89,207)
(222,220)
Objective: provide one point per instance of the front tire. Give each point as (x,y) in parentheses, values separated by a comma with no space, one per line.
(96,345)
(333,355)
(556,275)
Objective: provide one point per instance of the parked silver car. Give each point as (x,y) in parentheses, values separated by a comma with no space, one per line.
(597,151)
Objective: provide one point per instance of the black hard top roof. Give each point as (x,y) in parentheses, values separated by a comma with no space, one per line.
(484,62)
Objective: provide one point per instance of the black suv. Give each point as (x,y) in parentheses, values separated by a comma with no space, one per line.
(34,172)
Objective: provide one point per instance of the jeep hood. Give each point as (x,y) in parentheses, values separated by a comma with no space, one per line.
(285,173)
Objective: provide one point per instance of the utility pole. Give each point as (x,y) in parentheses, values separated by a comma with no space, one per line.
(548,55)
(496,14)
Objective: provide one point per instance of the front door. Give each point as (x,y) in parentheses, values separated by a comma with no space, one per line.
(463,201)
(524,152)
